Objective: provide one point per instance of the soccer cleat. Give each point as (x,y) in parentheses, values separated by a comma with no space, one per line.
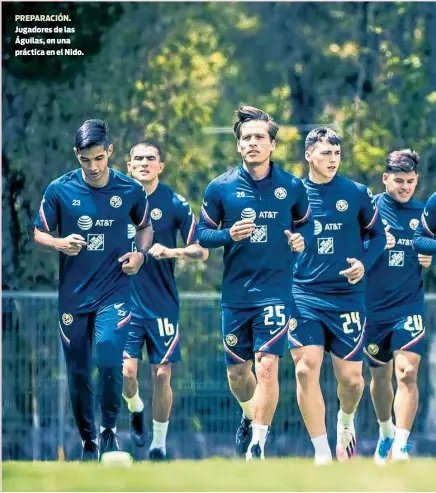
(157,454)
(401,454)
(137,432)
(346,443)
(108,442)
(243,436)
(383,450)
(255,453)
(89,451)
(323,460)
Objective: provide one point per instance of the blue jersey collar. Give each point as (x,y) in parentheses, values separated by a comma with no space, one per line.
(273,174)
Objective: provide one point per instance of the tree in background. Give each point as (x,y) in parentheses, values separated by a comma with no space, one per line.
(176,72)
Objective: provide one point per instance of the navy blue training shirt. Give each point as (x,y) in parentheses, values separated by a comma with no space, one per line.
(258,269)
(154,290)
(344,213)
(394,281)
(93,278)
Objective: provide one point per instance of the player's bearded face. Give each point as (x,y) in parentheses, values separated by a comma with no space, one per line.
(400,186)
(324,160)
(255,145)
(145,164)
(94,162)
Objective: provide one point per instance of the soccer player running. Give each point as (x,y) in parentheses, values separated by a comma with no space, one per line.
(329,292)
(155,300)
(91,208)
(395,309)
(260,214)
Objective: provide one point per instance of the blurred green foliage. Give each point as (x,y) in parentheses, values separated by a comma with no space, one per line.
(176,71)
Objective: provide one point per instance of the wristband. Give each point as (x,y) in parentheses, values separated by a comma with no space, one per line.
(144,252)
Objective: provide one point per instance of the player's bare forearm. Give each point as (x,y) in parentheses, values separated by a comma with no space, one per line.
(70,245)
(192,253)
(45,241)
(144,237)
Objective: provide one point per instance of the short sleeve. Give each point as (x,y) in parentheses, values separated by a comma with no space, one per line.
(211,210)
(47,217)
(139,211)
(186,222)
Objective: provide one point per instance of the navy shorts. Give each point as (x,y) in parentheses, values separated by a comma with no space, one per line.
(404,333)
(109,326)
(161,336)
(257,329)
(337,325)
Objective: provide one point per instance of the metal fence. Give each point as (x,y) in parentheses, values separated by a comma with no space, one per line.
(37,416)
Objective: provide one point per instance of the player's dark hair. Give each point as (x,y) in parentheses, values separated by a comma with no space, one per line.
(248,113)
(322,134)
(404,160)
(92,133)
(150,143)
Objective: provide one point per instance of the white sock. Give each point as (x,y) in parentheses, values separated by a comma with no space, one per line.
(246,408)
(401,437)
(345,419)
(102,428)
(134,403)
(386,428)
(260,433)
(321,445)
(159,435)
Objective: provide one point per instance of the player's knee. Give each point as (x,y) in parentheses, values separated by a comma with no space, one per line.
(381,381)
(129,372)
(306,371)
(352,381)
(237,374)
(162,376)
(407,375)
(266,369)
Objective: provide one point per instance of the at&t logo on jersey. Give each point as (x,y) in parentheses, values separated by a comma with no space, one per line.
(84,222)
(317,228)
(104,222)
(404,241)
(396,258)
(325,246)
(333,226)
(156,214)
(341,205)
(131,231)
(260,234)
(280,193)
(268,214)
(115,201)
(95,242)
(248,213)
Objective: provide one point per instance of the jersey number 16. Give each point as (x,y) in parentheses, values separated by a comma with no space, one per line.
(165,328)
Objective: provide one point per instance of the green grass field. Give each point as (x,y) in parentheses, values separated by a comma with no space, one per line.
(222,475)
